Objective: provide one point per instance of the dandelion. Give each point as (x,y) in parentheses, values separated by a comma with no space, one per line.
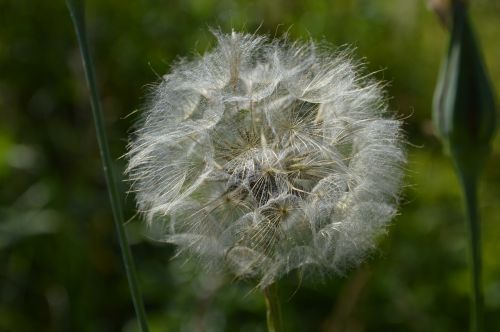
(261,157)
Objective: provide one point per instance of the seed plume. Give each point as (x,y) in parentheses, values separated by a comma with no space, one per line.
(264,156)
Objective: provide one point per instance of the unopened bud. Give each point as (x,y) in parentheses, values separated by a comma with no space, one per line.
(464,104)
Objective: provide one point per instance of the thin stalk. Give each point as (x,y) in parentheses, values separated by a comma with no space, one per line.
(76,10)
(469,187)
(274,320)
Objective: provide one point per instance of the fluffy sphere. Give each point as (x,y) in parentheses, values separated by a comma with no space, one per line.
(266,156)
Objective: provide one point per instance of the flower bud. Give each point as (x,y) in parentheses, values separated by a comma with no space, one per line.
(464,105)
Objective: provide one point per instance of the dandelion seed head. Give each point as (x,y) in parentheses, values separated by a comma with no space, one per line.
(262,157)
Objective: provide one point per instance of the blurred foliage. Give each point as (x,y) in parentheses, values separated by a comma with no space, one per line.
(60,268)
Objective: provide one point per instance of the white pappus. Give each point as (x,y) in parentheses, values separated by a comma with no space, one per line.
(266,156)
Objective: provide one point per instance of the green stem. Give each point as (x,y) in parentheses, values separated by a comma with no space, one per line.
(469,186)
(274,321)
(76,9)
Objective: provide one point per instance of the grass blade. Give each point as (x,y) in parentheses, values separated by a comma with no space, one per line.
(76,9)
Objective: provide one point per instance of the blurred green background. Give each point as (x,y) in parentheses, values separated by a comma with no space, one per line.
(60,268)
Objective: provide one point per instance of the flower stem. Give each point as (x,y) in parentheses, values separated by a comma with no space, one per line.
(274,321)
(76,9)
(469,187)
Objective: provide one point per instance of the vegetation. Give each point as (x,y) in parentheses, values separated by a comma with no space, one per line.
(60,264)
